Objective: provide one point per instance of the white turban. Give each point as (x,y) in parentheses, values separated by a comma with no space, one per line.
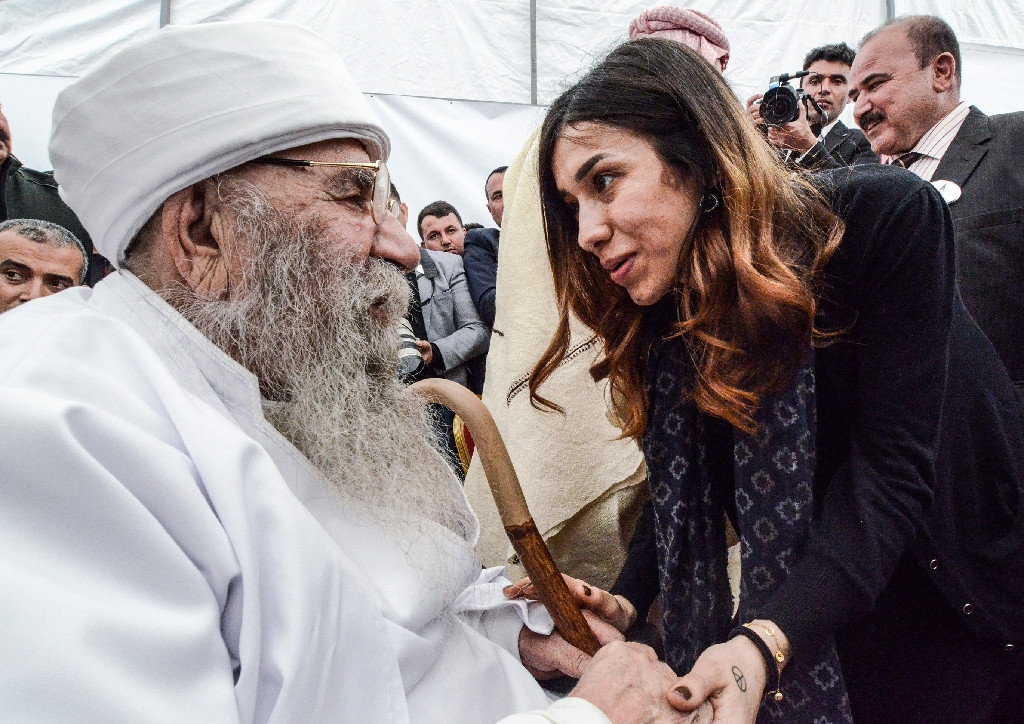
(191,102)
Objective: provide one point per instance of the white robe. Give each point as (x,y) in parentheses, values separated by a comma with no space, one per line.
(168,556)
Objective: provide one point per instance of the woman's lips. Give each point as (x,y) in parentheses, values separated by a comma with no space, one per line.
(621,270)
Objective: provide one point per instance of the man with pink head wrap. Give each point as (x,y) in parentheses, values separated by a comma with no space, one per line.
(683,25)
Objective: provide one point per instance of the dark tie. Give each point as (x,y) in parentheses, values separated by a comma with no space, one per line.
(415,313)
(905,160)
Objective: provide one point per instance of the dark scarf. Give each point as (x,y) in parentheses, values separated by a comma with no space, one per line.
(771,473)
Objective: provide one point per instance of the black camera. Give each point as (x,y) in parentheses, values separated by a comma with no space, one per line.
(781,103)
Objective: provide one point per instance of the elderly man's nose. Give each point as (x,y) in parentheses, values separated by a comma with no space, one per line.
(393,243)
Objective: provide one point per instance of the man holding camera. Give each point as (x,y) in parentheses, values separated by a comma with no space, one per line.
(817,138)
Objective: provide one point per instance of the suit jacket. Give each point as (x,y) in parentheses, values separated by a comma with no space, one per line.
(841,146)
(481,260)
(452,323)
(29,194)
(984,160)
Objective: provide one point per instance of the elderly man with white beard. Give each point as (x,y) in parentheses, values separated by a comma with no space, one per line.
(218,503)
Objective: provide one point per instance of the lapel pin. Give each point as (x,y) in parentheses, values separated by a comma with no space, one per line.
(949,191)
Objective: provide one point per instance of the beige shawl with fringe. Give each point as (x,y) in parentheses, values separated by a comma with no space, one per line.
(584,486)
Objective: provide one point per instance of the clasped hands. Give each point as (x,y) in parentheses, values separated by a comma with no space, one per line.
(626,680)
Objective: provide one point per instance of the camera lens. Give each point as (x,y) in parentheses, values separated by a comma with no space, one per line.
(779,106)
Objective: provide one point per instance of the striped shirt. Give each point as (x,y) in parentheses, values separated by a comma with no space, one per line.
(934,143)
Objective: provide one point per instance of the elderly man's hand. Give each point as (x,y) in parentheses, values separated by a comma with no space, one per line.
(616,610)
(549,656)
(628,683)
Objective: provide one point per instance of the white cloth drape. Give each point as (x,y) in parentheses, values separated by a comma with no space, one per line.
(167,556)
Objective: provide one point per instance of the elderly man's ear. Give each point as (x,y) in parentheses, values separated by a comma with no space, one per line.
(195,231)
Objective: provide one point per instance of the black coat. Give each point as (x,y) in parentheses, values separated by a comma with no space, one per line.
(29,194)
(984,159)
(481,260)
(920,448)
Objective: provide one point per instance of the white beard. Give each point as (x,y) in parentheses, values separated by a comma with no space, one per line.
(321,335)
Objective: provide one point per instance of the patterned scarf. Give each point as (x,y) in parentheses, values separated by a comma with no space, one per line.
(772,474)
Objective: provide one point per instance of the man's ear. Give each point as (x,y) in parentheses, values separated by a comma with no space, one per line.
(943,72)
(194,229)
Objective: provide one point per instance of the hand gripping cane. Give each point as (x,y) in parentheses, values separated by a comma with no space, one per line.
(515,516)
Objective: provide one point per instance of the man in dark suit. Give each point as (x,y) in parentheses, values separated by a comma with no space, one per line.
(481,250)
(481,260)
(821,141)
(906,89)
(29,194)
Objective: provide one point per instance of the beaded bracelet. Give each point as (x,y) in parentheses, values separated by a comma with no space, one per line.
(766,653)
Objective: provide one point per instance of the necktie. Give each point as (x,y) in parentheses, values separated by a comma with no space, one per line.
(905,160)
(415,313)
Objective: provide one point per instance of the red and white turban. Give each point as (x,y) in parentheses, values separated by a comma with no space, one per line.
(689,27)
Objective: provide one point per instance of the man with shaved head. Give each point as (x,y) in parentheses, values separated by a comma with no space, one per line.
(219,503)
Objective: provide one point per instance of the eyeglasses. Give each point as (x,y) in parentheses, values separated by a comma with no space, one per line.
(380,190)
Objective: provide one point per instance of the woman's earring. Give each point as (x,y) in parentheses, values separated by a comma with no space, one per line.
(709,202)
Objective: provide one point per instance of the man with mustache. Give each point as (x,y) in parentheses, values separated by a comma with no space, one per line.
(906,90)
(821,141)
(219,502)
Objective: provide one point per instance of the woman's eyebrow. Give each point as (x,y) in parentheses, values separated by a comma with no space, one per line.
(583,170)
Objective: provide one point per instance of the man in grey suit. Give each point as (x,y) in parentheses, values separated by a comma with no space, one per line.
(455,332)
(822,141)
(906,89)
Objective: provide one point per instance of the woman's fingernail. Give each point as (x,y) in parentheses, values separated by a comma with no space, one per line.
(684,692)
(587,591)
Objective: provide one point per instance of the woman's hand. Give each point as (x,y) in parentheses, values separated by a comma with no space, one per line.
(731,676)
(615,610)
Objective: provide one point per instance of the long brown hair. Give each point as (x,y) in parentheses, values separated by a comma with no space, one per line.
(743,301)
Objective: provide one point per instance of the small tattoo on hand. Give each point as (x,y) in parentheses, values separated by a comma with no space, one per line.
(740,679)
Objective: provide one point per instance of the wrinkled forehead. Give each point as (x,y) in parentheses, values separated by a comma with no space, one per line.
(39,255)
(333,150)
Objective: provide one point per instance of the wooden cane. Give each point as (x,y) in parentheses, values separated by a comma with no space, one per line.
(515,516)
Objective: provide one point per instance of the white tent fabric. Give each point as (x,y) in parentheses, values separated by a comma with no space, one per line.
(452,78)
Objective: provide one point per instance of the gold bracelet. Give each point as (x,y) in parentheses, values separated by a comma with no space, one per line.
(780,658)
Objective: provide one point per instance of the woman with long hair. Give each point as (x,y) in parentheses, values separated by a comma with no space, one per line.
(794,358)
